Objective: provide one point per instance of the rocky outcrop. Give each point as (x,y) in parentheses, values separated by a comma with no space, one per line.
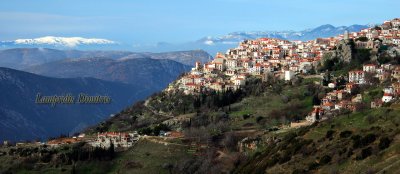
(344,50)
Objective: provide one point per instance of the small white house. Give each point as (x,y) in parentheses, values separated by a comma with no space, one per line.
(357,77)
(387,97)
(331,85)
(388,90)
(239,81)
(289,75)
(369,68)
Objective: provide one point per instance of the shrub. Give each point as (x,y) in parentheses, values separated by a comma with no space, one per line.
(362,38)
(384,143)
(342,151)
(370,119)
(259,119)
(285,157)
(364,153)
(273,160)
(313,166)
(145,131)
(245,116)
(325,159)
(345,134)
(364,141)
(350,153)
(368,139)
(329,134)
(356,141)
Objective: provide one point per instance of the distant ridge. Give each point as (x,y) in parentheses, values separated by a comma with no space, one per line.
(22,119)
(210,44)
(323,31)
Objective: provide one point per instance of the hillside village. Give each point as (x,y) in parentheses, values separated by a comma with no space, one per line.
(266,57)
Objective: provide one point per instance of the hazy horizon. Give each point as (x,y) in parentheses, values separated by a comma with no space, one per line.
(179,21)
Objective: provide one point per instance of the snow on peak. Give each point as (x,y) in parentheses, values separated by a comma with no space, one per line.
(64,41)
(209,42)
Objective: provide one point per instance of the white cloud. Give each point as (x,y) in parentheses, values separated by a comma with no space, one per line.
(64,41)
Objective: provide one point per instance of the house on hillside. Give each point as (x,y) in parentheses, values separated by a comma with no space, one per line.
(376,103)
(369,68)
(357,77)
(396,89)
(396,73)
(315,115)
(350,87)
(289,75)
(387,97)
(118,139)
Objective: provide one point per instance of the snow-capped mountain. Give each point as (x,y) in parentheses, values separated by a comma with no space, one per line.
(214,44)
(308,34)
(52,41)
(211,44)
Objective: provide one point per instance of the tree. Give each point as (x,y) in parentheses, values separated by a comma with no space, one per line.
(230,141)
(384,58)
(327,79)
(73,170)
(371,79)
(145,131)
(160,127)
(362,39)
(329,134)
(111,151)
(197,103)
(384,143)
(325,159)
(316,100)
(332,64)
(361,56)
(377,27)
(364,153)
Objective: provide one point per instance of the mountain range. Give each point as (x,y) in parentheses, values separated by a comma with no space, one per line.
(322,31)
(214,44)
(146,74)
(22,119)
(21,58)
(211,44)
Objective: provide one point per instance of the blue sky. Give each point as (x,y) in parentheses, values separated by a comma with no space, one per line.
(176,21)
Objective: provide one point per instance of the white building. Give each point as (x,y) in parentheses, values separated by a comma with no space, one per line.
(369,68)
(387,97)
(331,85)
(388,90)
(118,139)
(357,77)
(289,75)
(239,81)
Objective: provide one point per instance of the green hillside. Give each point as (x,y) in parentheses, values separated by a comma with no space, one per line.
(361,142)
(348,143)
